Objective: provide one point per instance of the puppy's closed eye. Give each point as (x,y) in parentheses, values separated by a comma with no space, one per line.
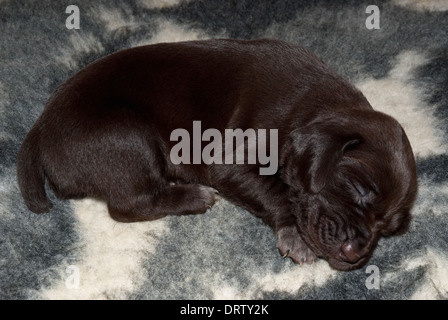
(364,196)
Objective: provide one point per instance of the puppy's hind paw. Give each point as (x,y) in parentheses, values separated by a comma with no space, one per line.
(202,198)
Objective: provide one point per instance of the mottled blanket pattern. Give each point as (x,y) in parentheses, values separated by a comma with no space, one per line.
(78,252)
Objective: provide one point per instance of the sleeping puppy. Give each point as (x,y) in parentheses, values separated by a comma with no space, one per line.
(346,174)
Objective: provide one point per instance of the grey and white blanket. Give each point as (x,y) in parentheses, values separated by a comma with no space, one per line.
(395,52)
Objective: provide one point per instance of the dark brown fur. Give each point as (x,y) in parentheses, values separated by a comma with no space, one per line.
(347,173)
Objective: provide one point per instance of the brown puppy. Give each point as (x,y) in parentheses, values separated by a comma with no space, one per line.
(346,176)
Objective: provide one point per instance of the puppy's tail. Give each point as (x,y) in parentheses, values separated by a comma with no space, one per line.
(31,175)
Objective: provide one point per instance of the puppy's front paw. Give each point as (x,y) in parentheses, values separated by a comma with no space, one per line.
(290,244)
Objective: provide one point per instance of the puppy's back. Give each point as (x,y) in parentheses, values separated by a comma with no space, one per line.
(142,94)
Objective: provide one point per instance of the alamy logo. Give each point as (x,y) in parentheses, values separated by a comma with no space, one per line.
(238,147)
(72,21)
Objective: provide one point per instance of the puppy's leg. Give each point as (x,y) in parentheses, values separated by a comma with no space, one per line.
(267,198)
(290,244)
(171,200)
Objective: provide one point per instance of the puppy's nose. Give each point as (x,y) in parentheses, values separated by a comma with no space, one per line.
(350,252)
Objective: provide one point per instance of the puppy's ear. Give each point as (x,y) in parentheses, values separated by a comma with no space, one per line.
(316,150)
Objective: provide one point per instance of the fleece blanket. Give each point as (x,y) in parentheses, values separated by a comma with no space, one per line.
(395,52)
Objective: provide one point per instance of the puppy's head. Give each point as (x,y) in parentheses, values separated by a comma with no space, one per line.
(353,180)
